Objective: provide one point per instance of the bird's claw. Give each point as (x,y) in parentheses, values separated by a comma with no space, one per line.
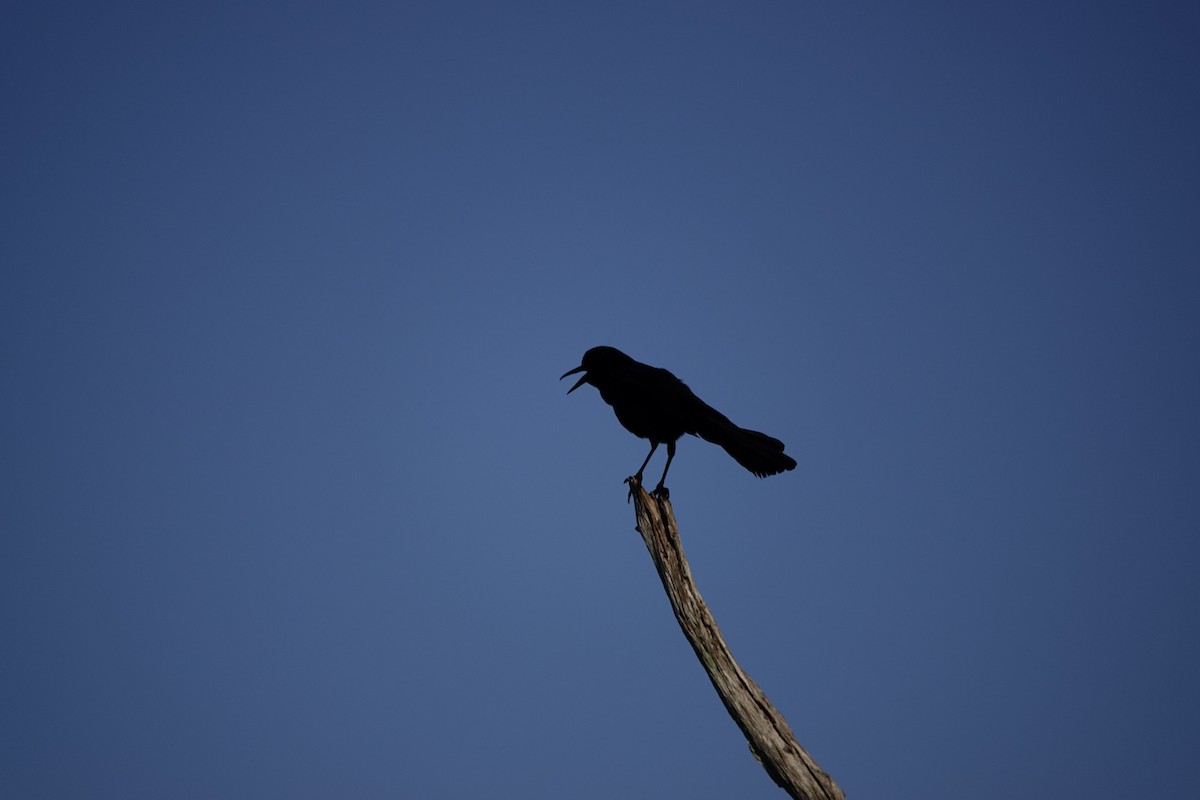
(635,482)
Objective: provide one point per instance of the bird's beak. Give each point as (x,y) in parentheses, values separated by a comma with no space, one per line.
(579,382)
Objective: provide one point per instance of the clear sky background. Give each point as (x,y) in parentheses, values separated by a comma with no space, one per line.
(293,502)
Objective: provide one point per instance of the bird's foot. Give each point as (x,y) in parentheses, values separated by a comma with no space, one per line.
(635,482)
(661,493)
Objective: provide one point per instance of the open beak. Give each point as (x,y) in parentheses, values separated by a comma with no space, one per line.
(579,382)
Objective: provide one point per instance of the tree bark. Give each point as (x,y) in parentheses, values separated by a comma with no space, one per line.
(766,731)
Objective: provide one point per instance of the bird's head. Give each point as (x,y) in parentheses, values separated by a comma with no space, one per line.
(596,362)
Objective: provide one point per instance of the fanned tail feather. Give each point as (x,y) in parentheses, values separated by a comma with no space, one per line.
(761,454)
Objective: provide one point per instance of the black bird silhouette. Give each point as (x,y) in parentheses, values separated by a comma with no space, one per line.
(653,404)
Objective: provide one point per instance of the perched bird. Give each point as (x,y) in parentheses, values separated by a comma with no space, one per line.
(653,404)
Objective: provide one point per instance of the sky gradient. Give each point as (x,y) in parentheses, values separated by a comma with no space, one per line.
(293,504)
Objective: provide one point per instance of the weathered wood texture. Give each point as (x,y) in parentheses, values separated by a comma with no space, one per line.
(768,734)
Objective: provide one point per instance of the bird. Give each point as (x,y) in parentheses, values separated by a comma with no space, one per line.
(653,404)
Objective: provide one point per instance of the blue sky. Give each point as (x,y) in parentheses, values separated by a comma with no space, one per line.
(293,503)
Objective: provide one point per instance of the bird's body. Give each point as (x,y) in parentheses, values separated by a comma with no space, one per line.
(653,404)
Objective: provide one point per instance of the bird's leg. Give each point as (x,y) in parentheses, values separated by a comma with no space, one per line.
(660,490)
(636,480)
(653,447)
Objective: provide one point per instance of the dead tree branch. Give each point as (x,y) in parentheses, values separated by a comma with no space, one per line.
(766,731)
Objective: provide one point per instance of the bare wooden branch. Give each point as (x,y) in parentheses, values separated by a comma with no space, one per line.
(770,738)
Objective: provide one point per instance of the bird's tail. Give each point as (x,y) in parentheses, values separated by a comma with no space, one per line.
(761,454)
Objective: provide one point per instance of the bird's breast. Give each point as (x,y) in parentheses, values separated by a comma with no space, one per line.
(645,418)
